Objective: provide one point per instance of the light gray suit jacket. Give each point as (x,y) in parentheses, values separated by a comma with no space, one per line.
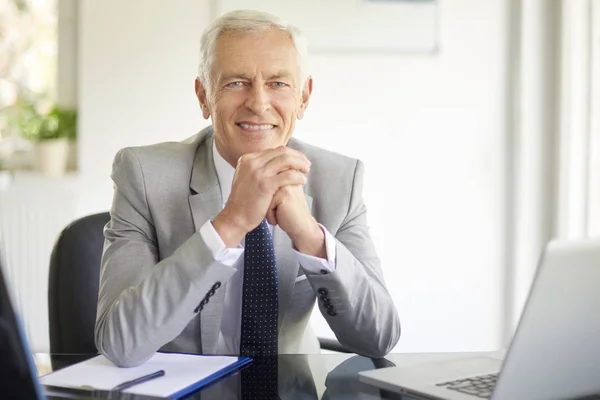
(156,269)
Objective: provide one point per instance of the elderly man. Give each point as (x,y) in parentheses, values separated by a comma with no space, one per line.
(220,244)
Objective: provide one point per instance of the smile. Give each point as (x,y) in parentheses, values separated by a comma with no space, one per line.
(256,127)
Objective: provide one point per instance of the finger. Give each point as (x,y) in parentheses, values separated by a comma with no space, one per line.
(287,161)
(267,156)
(248,157)
(255,160)
(289,177)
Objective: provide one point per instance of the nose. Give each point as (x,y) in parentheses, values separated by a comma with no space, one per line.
(258,99)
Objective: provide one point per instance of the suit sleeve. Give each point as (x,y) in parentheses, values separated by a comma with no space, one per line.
(354,299)
(144,303)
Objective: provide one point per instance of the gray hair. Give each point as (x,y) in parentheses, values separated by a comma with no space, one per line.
(247,22)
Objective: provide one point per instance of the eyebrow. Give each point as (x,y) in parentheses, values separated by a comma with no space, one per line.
(279,75)
(234,76)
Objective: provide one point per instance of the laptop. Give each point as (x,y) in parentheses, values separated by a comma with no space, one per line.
(554,354)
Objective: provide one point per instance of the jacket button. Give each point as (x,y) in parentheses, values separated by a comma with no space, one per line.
(322,291)
(199,308)
(211,293)
(328,305)
(216,286)
(324,272)
(332,313)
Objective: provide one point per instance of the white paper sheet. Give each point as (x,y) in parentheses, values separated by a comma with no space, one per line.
(181,371)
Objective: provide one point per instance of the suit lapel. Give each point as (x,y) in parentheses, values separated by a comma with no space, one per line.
(287,265)
(205,198)
(205,203)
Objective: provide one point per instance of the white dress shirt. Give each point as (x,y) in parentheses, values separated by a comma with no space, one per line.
(229,337)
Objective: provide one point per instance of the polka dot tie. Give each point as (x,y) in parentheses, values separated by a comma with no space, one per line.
(260,301)
(259,380)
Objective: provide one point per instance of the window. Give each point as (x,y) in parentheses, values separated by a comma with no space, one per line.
(28,70)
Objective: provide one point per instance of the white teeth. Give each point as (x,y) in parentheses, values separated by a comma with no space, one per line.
(257,127)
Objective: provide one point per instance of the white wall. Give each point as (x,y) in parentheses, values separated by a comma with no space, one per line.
(594,177)
(430,129)
(137,63)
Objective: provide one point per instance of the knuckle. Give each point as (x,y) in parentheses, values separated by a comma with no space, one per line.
(252,163)
(294,152)
(290,174)
(284,190)
(257,174)
(243,159)
(287,154)
(264,186)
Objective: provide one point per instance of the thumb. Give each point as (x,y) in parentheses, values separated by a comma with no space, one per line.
(271,216)
(272,211)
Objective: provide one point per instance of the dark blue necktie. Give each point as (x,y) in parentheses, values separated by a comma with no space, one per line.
(259,380)
(260,300)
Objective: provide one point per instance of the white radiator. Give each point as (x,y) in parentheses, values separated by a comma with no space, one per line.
(33,211)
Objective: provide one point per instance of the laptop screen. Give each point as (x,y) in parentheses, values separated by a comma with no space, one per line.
(17,372)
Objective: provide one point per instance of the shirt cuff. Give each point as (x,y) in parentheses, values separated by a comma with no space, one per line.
(314,264)
(217,247)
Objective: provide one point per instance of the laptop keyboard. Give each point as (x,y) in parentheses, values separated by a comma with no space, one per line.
(481,386)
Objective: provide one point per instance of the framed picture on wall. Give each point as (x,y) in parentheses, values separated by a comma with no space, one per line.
(354,26)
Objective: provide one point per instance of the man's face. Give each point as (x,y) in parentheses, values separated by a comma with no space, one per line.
(256,92)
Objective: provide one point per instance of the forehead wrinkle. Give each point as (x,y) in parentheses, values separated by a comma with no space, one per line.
(248,58)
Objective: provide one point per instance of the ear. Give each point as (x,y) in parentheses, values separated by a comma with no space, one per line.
(201,94)
(306,92)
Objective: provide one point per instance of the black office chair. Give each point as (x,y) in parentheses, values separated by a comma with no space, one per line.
(73,285)
(73,288)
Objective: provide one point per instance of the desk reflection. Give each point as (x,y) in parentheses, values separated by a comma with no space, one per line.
(342,381)
(284,377)
(291,378)
(295,380)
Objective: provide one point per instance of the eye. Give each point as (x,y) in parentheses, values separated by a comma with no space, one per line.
(235,84)
(278,84)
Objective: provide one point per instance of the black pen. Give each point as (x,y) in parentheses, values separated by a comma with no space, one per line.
(137,381)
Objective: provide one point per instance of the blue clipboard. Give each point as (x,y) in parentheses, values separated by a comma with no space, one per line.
(241,363)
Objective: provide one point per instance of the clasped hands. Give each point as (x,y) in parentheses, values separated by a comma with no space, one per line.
(268,184)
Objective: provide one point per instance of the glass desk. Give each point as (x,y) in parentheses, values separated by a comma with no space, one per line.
(315,376)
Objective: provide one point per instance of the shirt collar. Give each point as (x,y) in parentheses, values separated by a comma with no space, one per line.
(225,173)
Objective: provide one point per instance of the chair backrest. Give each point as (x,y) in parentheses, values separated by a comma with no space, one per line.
(73,285)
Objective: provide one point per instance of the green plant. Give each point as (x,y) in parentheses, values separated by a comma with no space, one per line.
(36,126)
(59,123)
